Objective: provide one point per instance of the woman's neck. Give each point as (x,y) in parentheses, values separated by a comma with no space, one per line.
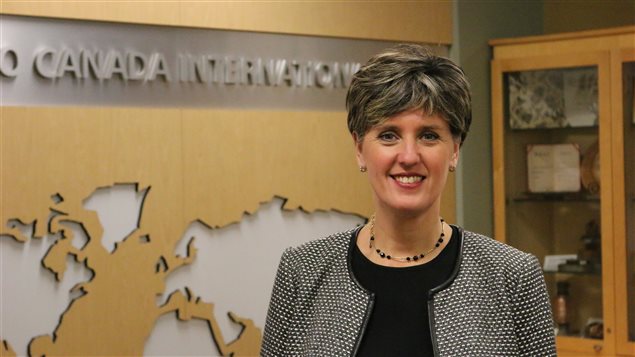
(403,235)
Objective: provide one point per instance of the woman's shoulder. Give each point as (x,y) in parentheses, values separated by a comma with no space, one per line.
(321,250)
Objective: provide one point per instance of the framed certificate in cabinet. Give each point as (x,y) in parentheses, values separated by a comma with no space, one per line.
(553,168)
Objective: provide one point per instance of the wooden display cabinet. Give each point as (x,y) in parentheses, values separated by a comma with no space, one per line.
(563,127)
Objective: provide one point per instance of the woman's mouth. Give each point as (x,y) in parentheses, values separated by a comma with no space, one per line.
(410,179)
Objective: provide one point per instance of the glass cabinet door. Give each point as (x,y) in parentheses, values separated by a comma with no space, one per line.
(552,187)
(553,121)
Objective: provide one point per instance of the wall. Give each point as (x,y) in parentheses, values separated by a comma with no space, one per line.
(426,22)
(577,15)
(420,21)
(475,23)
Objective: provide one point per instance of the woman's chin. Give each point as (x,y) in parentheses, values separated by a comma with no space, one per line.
(407,207)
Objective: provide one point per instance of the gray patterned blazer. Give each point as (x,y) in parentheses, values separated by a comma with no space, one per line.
(494,304)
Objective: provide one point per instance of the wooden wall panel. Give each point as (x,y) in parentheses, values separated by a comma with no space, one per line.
(73,151)
(414,21)
(147,148)
(241,158)
(211,165)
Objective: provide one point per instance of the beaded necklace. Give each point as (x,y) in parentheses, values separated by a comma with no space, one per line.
(408,259)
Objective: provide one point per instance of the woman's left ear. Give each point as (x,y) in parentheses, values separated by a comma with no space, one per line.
(456,154)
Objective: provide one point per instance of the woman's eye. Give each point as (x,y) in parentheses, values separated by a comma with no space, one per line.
(429,136)
(388,136)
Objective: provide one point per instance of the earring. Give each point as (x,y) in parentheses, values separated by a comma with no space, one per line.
(452,168)
(362,169)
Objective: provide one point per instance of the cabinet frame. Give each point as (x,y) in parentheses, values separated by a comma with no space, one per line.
(607,50)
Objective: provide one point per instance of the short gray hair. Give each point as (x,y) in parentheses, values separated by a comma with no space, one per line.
(407,77)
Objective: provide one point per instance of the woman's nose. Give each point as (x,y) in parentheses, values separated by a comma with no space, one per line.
(408,153)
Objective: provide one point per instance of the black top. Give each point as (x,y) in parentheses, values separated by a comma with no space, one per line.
(399,325)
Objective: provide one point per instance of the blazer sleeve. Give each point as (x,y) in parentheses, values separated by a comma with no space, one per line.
(533,318)
(278,322)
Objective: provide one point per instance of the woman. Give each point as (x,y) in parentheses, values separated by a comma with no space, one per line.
(407,283)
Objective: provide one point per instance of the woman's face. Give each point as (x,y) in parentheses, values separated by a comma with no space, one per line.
(408,158)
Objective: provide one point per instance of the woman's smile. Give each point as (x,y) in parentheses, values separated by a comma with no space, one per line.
(408,180)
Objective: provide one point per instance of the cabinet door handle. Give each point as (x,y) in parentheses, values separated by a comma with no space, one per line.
(597,348)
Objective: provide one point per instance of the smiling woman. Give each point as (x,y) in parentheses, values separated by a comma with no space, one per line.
(407,283)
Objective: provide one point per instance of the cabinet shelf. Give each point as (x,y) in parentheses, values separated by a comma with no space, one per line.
(556,197)
(597,273)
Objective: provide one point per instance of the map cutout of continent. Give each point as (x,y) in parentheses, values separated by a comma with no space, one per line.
(131,294)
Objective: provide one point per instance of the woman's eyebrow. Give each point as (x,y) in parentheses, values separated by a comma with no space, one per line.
(384,127)
(396,128)
(430,127)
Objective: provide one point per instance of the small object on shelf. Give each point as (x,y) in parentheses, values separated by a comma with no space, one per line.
(553,261)
(580,267)
(592,245)
(560,307)
(594,328)
(590,169)
(553,168)
(587,261)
